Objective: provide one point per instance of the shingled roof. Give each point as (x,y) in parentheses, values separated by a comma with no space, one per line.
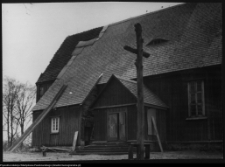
(148,96)
(64,53)
(194,39)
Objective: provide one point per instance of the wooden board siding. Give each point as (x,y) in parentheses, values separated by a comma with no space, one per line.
(69,123)
(165,88)
(216,124)
(132,122)
(160,119)
(172,89)
(213,104)
(116,94)
(195,130)
(146,135)
(161,124)
(89,100)
(100,125)
(36,137)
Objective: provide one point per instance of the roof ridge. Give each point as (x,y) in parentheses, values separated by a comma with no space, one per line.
(84,31)
(156,11)
(134,17)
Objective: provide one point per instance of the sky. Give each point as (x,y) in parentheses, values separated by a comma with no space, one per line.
(33,32)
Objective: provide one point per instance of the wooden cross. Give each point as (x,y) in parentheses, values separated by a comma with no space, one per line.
(140,102)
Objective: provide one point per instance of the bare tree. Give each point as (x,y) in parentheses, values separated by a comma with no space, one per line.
(11,90)
(24,103)
(18,99)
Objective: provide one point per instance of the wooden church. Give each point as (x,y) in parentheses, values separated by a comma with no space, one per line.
(182,81)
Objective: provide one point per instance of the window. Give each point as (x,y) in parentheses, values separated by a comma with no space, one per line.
(55,125)
(196,104)
(41,91)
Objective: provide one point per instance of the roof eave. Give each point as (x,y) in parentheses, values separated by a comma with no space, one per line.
(156,106)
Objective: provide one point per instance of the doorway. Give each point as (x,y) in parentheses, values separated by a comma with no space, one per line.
(116,125)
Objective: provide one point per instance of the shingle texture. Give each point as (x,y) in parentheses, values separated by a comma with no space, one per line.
(194,34)
(64,53)
(148,96)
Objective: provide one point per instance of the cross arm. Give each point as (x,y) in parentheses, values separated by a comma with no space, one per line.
(128,48)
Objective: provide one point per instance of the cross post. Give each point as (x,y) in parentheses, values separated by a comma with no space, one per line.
(140,100)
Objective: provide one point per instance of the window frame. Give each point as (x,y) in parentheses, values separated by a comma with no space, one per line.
(196,91)
(41,89)
(55,124)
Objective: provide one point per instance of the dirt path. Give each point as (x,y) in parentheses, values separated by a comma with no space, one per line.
(12,157)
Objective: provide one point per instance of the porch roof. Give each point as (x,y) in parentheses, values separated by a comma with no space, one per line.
(148,96)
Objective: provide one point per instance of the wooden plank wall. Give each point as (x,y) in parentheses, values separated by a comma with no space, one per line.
(100,129)
(172,89)
(69,123)
(110,96)
(164,87)
(213,104)
(132,122)
(115,94)
(100,125)
(160,123)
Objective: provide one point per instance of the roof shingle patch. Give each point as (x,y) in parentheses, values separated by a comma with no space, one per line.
(64,53)
(79,48)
